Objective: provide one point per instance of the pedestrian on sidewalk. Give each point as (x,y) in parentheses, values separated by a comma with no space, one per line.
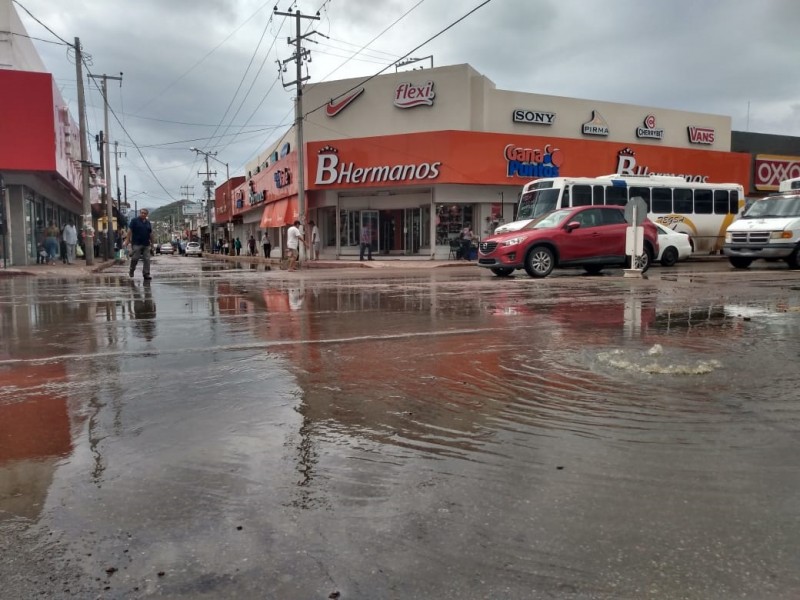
(70,236)
(51,242)
(265,244)
(315,243)
(366,242)
(140,234)
(251,246)
(238,245)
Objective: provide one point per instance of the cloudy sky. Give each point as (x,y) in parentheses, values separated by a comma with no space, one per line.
(203,72)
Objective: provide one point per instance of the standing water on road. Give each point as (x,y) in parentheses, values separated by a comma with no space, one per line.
(398,436)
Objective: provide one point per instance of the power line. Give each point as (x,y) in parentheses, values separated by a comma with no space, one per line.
(430,39)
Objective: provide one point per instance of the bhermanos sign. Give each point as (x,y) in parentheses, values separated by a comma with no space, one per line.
(330,170)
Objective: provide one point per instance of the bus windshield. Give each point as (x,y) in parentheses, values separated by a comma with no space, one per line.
(774,206)
(537,202)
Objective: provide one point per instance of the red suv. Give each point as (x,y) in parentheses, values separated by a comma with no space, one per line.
(591,237)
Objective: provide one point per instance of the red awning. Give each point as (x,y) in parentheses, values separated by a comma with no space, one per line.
(267,216)
(292,211)
(279,216)
(279,213)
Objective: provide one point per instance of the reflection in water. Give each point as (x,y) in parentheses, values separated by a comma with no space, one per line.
(144,311)
(370,434)
(35,432)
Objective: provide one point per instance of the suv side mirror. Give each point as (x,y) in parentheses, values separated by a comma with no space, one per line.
(573,225)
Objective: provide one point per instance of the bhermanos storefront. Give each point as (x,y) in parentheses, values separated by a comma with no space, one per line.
(416,192)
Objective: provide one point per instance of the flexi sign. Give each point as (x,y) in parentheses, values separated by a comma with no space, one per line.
(330,171)
(408,95)
(769,171)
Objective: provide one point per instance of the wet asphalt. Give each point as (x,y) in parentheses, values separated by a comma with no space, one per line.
(401,431)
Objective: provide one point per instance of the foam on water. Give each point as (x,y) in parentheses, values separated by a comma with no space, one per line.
(654,362)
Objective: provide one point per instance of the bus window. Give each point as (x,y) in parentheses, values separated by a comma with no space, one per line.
(598,197)
(662,201)
(581,195)
(617,196)
(703,202)
(683,201)
(537,202)
(734,202)
(643,193)
(721,202)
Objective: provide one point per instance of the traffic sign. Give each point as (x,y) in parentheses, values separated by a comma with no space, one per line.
(639,206)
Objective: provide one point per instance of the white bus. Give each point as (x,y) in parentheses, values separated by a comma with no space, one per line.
(789,185)
(702,210)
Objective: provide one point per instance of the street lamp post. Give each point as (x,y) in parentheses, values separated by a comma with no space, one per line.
(208,183)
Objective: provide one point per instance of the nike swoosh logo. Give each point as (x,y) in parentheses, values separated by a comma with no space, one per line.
(332,109)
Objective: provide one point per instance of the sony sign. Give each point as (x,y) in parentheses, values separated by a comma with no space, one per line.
(534,117)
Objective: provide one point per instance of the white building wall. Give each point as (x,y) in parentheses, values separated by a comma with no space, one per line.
(468,101)
(17,52)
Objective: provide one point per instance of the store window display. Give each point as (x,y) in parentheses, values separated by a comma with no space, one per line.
(450,220)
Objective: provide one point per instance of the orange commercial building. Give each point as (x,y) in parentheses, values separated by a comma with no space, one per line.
(414,157)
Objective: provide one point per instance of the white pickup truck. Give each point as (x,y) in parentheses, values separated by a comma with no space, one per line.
(769,229)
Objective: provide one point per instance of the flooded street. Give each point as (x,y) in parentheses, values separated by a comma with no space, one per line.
(397,433)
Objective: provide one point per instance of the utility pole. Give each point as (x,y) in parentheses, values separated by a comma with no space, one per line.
(300,54)
(187,195)
(88,229)
(117,154)
(208,183)
(107,167)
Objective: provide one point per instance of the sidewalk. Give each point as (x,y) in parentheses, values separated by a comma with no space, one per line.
(80,269)
(77,269)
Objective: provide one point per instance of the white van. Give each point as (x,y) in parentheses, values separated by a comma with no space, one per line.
(769,228)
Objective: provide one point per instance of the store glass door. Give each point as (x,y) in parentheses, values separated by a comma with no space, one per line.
(412,230)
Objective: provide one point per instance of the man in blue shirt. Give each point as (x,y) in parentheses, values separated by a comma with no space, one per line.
(140,231)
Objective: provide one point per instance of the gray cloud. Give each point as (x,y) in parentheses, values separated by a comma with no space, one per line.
(184,60)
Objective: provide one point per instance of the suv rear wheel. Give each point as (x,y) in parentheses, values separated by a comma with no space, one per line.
(643,261)
(794,259)
(540,261)
(740,262)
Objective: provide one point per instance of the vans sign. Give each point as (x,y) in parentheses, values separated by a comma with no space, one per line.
(700,135)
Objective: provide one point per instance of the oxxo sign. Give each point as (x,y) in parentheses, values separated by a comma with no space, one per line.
(771,170)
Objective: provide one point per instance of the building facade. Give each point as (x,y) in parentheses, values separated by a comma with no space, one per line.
(416,156)
(773,158)
(40,169)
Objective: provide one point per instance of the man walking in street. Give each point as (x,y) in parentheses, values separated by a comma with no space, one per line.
(140,232)
(293,240)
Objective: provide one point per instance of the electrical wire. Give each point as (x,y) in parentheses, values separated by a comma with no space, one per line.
(430,39)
